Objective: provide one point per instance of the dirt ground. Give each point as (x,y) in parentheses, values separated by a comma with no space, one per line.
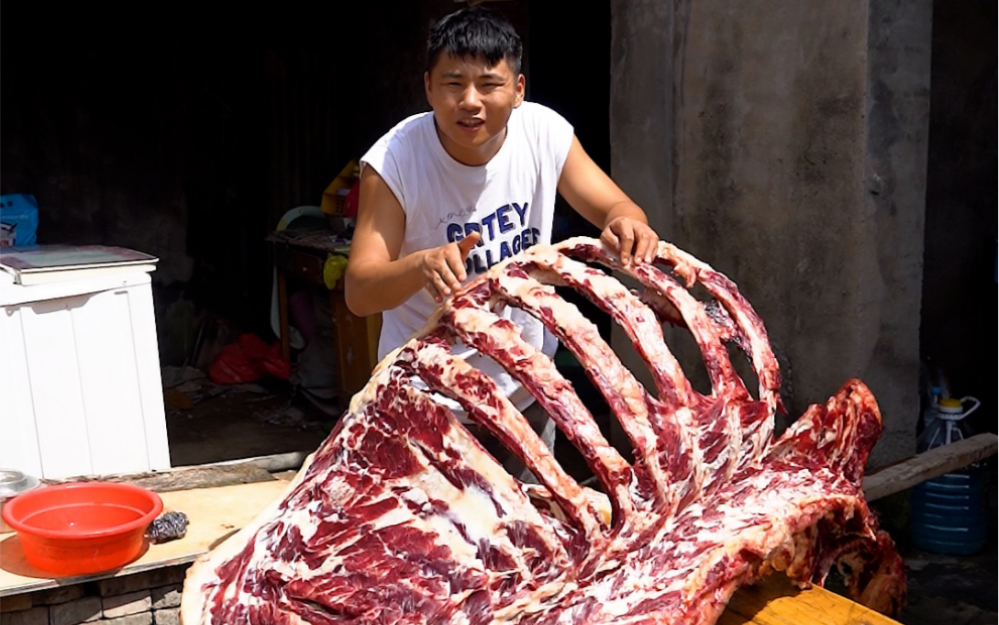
(243,424)
(950,590)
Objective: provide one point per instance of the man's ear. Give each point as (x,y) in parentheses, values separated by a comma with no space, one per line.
(519,90)
(426,86)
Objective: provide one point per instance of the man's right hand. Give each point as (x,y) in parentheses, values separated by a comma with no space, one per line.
(378,278)
(443,267)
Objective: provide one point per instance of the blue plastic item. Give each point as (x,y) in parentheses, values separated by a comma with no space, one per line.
(18,220)
(948,512)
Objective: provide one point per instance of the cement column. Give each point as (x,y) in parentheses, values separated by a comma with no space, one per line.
(898,111)
(641,117)
(778,113)
(641,125)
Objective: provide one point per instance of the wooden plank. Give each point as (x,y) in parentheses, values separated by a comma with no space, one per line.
(242,471)
(356,343)
(928,465)
(273,462)
(214,513)
(300,265)
(776,601)
(373,324)
(185,478)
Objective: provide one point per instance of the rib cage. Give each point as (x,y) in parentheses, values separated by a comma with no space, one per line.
(402,517)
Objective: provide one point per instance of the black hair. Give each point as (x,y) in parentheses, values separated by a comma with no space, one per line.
(478,33)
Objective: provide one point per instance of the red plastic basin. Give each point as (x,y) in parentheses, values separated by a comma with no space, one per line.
(87,527)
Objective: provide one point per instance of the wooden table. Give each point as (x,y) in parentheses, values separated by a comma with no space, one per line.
(776,601)
(214,513)
(300,257)
(217,513)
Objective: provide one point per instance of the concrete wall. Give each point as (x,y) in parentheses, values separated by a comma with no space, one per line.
(784,143)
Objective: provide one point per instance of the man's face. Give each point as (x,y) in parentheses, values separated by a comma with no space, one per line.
(472,103)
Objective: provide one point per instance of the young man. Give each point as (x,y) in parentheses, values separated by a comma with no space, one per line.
(445,195)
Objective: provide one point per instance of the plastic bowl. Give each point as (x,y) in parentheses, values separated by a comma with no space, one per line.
(87,527)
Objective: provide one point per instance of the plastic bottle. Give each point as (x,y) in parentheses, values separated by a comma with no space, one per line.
(948,512)
(932,403)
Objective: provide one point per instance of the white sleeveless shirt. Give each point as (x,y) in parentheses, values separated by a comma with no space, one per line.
(510,201)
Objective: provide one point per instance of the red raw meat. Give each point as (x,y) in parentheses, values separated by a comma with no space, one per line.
(402,517)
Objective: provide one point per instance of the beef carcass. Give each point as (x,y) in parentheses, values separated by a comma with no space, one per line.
(402,517)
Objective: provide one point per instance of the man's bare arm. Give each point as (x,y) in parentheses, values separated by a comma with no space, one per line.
(600,201)
(377,279)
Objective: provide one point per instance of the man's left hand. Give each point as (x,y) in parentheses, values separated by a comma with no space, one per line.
(633,239)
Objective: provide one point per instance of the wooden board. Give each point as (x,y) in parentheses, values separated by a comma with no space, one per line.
(928,465)
(215,513)
(356,341)
(184,478)
(776,601)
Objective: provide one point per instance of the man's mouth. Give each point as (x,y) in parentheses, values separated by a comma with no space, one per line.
(470,124)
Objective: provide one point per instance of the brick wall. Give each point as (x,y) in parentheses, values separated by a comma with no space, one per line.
(148,598)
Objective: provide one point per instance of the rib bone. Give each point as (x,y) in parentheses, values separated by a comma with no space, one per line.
(402,516)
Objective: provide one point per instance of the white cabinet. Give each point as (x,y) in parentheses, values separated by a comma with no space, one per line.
(80,389)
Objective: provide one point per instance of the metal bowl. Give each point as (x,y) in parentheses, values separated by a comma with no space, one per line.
(13,482)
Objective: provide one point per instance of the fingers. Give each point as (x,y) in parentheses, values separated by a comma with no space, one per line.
(455,273)
(439,287)
(620,235)
(647,244)
(445,283)
(444,268)
(641,248)
(633,240)
(609,239)
(626,238)
(465,245)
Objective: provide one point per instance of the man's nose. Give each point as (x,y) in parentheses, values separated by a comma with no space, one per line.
(471,98)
